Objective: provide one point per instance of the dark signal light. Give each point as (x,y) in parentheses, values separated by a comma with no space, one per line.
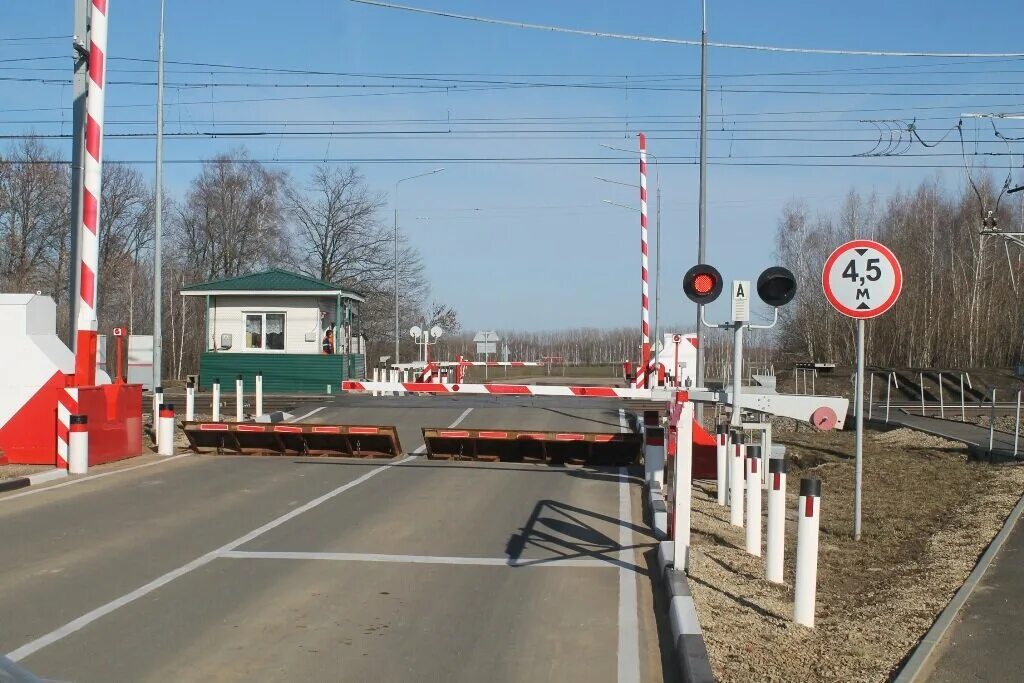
(776,286)
(702,284)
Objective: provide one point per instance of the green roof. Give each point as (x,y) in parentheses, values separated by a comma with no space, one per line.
(273,280)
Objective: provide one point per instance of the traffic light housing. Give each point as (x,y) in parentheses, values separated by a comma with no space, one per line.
(776,286)
(702,284)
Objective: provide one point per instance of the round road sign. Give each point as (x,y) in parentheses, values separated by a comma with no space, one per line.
(862,279)
(677,338)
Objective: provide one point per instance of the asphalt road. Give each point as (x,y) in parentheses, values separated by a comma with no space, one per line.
(220,568)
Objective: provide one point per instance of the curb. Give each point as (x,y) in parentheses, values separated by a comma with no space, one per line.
(915,664)
(15,483)
(691,650)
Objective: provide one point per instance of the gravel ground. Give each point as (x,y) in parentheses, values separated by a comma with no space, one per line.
(928,515)
(11,471)
(1004,423)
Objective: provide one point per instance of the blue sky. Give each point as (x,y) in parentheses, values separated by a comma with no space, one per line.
(532,245)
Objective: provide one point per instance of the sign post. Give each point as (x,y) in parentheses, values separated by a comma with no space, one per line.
(862,279)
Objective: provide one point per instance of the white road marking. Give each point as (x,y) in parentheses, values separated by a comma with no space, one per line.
(623,425)
(415,559)
(457,422)
(103,610)
(629,630)
(303,417)
(92,477)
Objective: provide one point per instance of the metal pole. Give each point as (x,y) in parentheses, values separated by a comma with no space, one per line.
(1016,426)
(992,423)
(702,205)
(942,405)
(80,44)
(158,218)
(737,376)
(963,416)
(871,393)
(657,255)
(859,440)
(396,272)
(888,394)
(920,387)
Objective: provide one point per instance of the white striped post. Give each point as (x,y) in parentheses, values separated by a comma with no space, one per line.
(736,480)
(806,583)
(78,445)
(753,471)
(158,399)
(165,444)
(645,322)
(259,393)
(215,401)
(89,230)
(190,401)
(775,550)
(239,397)
(722,461)
(682,488)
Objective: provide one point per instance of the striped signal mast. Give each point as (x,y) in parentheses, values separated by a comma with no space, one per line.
(88,231)
(645,318)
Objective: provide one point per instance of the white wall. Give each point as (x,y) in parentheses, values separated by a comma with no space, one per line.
(302,315)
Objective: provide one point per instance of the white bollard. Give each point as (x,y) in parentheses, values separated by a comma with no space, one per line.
(753,471)
(158,398)
(78,444)
(682,489)
(722,461)
(165,446)
(736,480)
(775,552)
(215,400)
(259,393)
(190,401)
(239,396)
(654,455)
(806,583)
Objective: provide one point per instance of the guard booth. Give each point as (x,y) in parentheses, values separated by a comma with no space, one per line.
(276,322)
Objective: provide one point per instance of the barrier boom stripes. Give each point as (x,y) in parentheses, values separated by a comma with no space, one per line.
(512,390)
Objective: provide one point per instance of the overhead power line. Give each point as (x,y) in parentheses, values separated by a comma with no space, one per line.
(681,41)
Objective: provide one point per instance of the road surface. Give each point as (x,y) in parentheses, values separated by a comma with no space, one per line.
(221,568)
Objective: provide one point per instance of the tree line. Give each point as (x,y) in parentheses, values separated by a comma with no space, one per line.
(237,216)
(961,303)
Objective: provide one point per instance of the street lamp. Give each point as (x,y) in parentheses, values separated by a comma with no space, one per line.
(397,183)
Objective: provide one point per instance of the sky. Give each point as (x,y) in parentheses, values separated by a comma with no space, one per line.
(517,231)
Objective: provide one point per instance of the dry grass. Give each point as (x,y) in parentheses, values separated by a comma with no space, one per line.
(928,515)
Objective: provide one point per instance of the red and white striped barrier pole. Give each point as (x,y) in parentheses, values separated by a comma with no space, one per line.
(806,583)
(458,369)
(682,486)
(736,480)
(190,401)
(78,445)
(239,397)
(215,400)
(754,500)
(259,393)
(722,461)
(165,443)
(645,323)
(776,547)
(88,231)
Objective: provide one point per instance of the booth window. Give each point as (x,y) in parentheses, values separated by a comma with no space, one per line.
(264,331)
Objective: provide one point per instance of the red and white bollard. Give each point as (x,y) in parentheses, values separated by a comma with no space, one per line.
(158,399)
(722,461)
(753,472)
(682,488)
(78,445)
(736,479)
(165,443)
(775,551)
(215,400)
(259,393)
(239,395)
(190,401)
(806,583)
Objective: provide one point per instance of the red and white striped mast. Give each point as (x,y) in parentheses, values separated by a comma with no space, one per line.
(88,231)
(645,321)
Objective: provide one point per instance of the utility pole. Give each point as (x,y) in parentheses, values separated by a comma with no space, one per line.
(159,209)
(80,48)
(702,207)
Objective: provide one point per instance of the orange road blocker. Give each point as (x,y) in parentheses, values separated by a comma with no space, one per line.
(293,438)
(558,448)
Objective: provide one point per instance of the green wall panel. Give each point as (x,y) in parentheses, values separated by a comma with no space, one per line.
(282,373)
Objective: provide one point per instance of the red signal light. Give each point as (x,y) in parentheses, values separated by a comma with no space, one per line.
(702,284)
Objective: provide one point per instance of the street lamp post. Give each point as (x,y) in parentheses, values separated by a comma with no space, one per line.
(397,183)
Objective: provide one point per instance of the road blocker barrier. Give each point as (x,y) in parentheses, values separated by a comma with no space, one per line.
(293,438)
(561,448)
